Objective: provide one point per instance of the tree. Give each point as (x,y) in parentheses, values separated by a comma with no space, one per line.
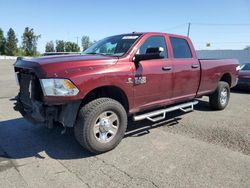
(20,52)
(2,42)
(50,47)
(71,47)
(30,41)
(11,43)
(60,46)
(247,48)
(86,43)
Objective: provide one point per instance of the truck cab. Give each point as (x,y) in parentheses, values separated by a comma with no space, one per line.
(178,71)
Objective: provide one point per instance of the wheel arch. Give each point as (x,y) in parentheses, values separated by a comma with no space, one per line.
(226,77)
(109,91)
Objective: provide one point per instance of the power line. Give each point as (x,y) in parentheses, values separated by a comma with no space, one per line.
(175,27)
(188,25)
(204,24)
(221,24)
(224,42)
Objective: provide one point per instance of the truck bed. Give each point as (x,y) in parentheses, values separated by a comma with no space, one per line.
(212,70)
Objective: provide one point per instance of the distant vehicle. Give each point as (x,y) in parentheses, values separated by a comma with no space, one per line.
(143,75)
(244,77)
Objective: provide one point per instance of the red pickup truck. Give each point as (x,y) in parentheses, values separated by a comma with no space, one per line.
(142,75)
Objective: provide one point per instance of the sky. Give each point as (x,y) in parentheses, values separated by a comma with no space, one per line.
(225,24)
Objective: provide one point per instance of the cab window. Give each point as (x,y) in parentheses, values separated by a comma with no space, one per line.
(154,42)
(180,47)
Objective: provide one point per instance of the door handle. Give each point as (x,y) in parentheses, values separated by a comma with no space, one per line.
(166,68)
(194,66)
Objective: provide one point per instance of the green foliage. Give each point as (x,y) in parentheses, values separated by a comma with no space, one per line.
(71,47)
(20,52)
(60,46)
(29,44)
(2,42)
(86,43)
(247,48)
(50,47)
(11,43)
(8,45)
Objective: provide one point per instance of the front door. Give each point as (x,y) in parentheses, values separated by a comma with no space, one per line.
(153,78)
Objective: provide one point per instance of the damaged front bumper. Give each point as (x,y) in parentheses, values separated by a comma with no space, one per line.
(38,113)
(30,104)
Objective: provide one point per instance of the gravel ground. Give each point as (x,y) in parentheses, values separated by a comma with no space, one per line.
(229,128)
(203,148)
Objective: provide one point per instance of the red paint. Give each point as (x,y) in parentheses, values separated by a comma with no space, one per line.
(162,88)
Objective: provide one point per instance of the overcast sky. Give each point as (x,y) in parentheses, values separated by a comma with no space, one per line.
(223,23)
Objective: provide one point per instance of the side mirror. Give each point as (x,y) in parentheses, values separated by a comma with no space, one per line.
(151,53)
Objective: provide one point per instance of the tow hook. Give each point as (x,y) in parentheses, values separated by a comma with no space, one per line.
(64,131)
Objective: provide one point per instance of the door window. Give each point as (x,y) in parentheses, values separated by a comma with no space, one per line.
(180,47)
(154,42)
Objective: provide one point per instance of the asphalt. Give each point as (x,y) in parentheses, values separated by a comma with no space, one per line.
(203,148)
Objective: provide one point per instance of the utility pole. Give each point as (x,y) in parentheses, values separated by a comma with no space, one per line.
(189,24)
(77,40)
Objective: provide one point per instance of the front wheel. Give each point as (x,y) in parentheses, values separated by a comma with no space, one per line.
(101,124)
(219,99)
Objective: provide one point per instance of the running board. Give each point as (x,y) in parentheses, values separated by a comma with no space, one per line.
(161,114)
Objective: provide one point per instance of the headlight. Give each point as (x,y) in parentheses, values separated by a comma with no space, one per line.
(58,87)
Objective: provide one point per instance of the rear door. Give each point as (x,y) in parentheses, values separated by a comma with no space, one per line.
(153,78)
(186,70)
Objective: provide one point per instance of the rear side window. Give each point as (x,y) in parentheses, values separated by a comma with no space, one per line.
(154,42)
(181,48)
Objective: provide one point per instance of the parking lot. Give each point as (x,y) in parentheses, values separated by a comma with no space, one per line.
(203,148)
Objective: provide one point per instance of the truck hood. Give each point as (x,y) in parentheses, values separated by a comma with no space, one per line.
(58,66)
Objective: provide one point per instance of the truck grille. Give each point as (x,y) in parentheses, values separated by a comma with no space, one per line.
(28,101)
(29,86)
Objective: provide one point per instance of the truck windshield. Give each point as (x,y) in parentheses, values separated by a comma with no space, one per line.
(113,46)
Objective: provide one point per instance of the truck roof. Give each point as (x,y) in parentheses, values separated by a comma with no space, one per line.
(156,33)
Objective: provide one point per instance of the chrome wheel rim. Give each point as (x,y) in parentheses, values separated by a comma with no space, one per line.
(106,126)
(223,96)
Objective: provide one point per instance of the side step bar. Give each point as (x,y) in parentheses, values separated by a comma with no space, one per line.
(161,114)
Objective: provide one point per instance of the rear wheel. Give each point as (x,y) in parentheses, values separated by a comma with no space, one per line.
(219,99)
(101,124)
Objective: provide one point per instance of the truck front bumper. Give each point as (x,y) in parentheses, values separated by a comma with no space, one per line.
(30,104)
(38,113)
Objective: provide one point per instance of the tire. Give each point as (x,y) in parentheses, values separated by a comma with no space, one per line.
(106,116)
(219,99)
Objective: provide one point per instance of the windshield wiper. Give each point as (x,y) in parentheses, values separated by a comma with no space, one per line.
(94,53)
